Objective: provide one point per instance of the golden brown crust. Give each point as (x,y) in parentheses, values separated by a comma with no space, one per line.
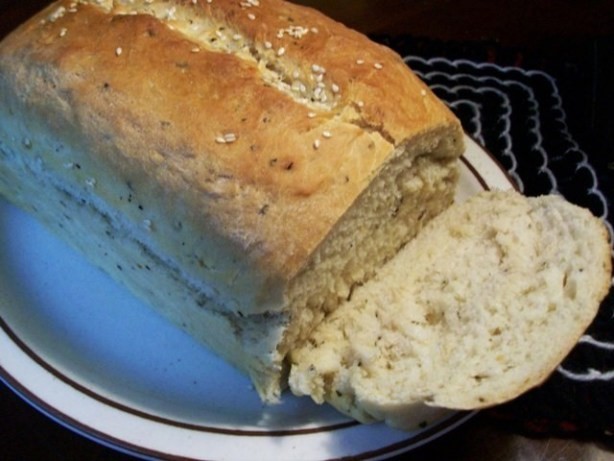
(264,169)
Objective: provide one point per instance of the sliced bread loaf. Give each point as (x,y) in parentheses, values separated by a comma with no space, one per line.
(480,307)
(237,165)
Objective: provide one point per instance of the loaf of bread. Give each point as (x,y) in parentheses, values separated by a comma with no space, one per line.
(481,306)
(240,165)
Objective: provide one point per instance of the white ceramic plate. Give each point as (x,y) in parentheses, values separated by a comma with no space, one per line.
(86,353)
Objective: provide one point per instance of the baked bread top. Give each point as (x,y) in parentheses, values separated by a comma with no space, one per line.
(270,119)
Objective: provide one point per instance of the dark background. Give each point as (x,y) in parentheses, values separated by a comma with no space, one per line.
(571,40)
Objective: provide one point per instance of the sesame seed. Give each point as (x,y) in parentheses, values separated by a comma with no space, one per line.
(170,13)
(296,74)
(281,51)
(378,66)
(311,114)
(220,140)
(316,144)
(268,45)
(360,104)
(335,88)
(118,51)
(194,2)
(316,69)
(314,30)
(327,134)
(57,14)
(303,88)
(237,37)
(360,62)
(423,92)
(195,50)
(230,137)
(293,31)
(63,31)
(209,1)
(251,16)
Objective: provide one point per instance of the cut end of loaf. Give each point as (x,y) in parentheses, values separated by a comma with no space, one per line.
(415,186)
(464,316)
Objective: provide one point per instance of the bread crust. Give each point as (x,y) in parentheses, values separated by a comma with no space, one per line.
(96,73)
(249,150)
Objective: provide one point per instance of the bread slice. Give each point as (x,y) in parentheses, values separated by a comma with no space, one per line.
(481,306)
(239,165)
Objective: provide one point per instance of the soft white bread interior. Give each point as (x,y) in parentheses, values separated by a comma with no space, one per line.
(239,165)
(480,307)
